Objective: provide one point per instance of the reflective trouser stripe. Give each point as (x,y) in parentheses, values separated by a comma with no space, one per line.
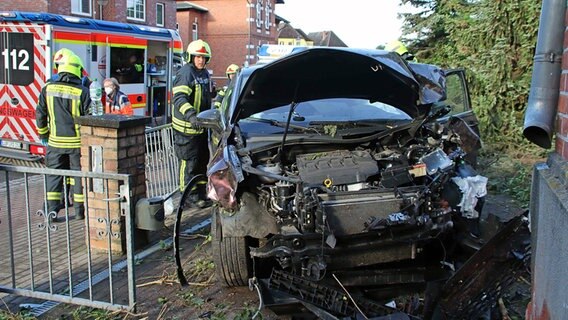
(182,169)
(54,196)
(78,198)
(182,166)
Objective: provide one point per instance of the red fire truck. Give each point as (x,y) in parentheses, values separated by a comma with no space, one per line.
(28,41)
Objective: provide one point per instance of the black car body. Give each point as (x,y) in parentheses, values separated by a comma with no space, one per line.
(338,160)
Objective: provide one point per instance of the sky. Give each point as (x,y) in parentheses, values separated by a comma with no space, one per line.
(359,23)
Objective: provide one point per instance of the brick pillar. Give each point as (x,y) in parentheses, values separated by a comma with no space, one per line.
(120,142)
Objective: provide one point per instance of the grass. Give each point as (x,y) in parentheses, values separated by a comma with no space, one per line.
(510,172)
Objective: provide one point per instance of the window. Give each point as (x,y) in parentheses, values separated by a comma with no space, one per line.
(195,31)
(127,65)
(136,9)
(259,13)
(160,14)
(456,95)
(267,12)
(82,7)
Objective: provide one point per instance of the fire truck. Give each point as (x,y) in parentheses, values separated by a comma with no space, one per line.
(28,41)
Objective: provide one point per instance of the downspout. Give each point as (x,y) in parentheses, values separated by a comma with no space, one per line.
(547,67)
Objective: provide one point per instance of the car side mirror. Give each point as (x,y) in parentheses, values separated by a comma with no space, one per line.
(210,119)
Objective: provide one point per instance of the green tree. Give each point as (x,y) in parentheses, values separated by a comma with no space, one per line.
(495,41)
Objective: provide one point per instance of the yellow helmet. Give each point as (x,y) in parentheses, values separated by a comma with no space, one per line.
(72,65)
(61,56)
(396,46)
(232,69)
(198,48)
(401,49)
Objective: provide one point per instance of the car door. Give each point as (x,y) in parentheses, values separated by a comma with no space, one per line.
(458,98)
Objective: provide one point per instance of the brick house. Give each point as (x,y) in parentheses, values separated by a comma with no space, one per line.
(288,35)
(548,101)
(160,13)
(233,28)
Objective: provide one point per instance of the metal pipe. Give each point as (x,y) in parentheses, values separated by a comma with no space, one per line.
(545,83)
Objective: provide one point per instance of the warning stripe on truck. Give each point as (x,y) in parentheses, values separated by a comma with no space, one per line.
(100,39)
(18,102)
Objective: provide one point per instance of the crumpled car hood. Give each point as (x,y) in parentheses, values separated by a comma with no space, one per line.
(322,73)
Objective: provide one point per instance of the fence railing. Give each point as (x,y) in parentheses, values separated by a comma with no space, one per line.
(161,162)
(59,261)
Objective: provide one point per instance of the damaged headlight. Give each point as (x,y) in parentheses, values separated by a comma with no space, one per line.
(224,175)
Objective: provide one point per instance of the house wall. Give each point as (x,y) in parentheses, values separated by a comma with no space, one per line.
(185,20)
(114,10)
(294,42)
(232,33)
(549,218)
(26,5)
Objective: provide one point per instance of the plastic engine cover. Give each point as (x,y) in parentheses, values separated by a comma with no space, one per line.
(341,167)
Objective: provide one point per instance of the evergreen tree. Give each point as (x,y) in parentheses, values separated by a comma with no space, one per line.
(494,41)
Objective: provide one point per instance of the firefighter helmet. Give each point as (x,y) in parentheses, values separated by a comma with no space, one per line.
(401,49)
(198,48)
(73,65)
(232,69)
(61,56)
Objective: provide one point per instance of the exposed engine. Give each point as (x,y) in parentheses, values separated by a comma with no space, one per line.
(400,187)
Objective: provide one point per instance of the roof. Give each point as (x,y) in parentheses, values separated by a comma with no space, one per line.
(287,31)
(186,5)
(279,18)
(326,39)
(303,34)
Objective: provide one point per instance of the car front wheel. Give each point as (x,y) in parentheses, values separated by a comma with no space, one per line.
(230,254)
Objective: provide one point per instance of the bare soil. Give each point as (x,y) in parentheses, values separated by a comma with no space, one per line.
(160,295)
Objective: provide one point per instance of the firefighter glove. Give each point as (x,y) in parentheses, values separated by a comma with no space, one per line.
(44,141)
(193,121)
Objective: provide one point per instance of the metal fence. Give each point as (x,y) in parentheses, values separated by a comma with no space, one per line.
(161,162)
(55,261)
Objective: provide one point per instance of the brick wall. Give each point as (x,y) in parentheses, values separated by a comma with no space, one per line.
(23,5)
(185,20)
(114,10)
(123,151)
(229,31)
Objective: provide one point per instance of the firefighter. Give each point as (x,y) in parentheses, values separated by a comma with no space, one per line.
(133,73)
(192,94)
(116,101)
(60,102)
(59,57)
(401,49)
(231,72)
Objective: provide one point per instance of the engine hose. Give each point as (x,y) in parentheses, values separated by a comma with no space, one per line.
(253,283)
(250,169)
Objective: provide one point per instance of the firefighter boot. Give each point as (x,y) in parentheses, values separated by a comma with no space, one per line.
(80,212)
(53,208)
(202,200)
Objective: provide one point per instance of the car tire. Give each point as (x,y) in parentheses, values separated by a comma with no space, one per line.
(231,255)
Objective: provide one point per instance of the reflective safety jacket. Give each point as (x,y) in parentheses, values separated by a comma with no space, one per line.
(192,94)
(221,95)
(60,102)
(118,104)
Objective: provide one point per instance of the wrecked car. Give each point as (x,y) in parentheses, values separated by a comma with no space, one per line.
(342,162)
